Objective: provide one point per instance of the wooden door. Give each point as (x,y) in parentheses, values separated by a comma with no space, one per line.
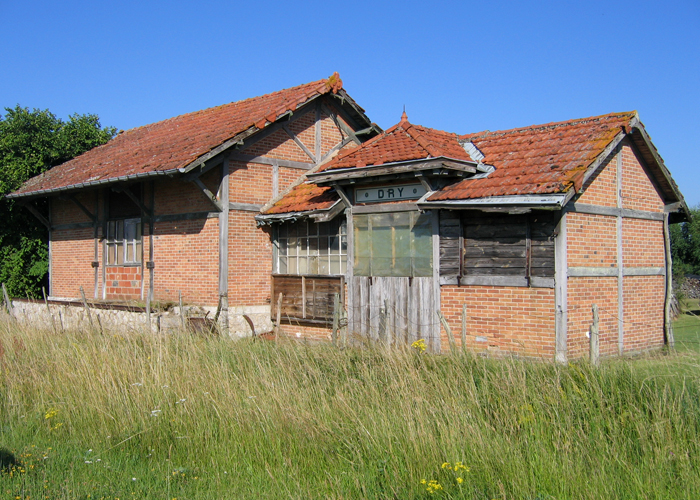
(393,310)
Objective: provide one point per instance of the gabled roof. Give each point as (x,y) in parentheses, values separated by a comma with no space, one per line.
(540,159)
(170,146)
(400,143)
(548,163)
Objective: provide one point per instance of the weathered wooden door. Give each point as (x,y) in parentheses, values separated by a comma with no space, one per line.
(393,310)
(393,292)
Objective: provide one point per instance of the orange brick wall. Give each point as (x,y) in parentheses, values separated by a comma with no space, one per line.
(250,261)
(582,294)
(601,188)
(72,253)
(638,192)
(186,260)
(123,282)
(591,240)
(251,182)
(643,313)
(643,243)
(512,320)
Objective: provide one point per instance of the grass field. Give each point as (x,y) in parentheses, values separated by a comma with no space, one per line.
(184,417)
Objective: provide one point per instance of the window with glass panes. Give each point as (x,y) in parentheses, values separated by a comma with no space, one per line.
(393,244)
(307,247)
(123,241)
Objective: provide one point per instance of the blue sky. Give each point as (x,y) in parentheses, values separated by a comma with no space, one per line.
(456,66)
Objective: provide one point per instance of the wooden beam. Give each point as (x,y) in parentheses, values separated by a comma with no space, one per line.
(341,124)
(385,208)
(620,263)
(185,216)
(343,195)
(602,158)
(668,289)
(335,148)
(585,208)
(245,207)
(317,130)
(303,147)
(263,160)
(560,292)
(223,245)
(33,210)
(210,196)
(82,207)
(205,167)
(120,188)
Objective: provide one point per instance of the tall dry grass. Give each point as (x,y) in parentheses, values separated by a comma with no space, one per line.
(182,416)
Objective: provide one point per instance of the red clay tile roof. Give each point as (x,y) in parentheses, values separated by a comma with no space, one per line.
(402,142)
(540,159)
(174,143)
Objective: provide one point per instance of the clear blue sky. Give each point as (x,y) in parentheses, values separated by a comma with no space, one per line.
(456,66)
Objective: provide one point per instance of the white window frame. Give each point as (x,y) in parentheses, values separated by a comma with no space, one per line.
(302,248)
(123,242)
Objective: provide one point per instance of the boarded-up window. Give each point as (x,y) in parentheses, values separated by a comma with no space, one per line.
(497,245)
(393,244)
(307,299)
(307,247)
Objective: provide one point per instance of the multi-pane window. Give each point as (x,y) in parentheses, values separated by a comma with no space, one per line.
(308,247)
(393,244)
(123,241)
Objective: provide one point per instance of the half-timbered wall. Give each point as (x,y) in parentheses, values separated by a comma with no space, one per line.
(616,259)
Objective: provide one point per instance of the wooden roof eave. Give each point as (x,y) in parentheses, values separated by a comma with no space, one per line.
(508,204)
(318,215)
(440,166)
(675,202)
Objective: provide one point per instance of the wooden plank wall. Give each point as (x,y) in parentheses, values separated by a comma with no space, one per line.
(475,244)
(306,298)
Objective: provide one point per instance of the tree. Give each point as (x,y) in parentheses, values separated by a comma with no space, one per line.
(685,245)
(32,142)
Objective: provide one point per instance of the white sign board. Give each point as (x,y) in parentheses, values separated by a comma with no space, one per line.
(389,193)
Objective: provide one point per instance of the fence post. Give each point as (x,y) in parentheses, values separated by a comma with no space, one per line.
(336,318)
(448,330)
(8,303)
(182,311)
(53,323)
(594,344)
(87,308)
(464,327)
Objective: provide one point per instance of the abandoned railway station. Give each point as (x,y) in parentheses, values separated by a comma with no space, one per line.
(293,211)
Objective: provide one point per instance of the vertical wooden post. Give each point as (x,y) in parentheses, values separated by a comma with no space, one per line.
(87,308)
(303,297)
(279,316)
(668,323)
(336,318)
(594,346)
(464,327)
(560,292)
(148,310)
(620,261)
(182,310)
(53,323)
(382,323)
(223,245)
(8,303)
(448,330)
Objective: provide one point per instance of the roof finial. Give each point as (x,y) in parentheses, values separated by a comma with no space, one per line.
(404,116)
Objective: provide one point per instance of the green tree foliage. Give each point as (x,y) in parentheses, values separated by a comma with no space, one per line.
(32,142)
(685,245)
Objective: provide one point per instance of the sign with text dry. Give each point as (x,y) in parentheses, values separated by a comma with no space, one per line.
(389,193)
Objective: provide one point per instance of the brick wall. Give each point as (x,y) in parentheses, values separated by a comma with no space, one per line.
(123,282)
(592,242)
(72,253)
(501,320)
(187,260)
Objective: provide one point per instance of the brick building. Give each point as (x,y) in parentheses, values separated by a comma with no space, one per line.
(294,205)
(512,235)
(168,209)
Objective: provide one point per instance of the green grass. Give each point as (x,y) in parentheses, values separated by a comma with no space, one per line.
(141,416)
